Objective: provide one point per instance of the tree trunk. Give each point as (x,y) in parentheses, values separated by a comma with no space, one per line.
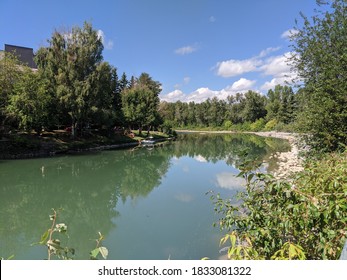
(148,130)
(73,128)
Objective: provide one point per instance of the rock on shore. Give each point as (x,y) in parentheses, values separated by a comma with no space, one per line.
(288,162)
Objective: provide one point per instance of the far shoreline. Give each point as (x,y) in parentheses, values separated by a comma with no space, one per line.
(289,162)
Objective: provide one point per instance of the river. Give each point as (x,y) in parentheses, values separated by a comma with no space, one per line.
(149,203)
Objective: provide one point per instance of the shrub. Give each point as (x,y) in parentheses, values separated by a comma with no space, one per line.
(228,125)
(270,125)
(305,218)
(258,125)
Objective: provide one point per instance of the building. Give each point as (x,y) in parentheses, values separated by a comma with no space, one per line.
(23,54)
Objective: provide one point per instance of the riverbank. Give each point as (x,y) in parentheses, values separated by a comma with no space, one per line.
(23,146)
(289,162)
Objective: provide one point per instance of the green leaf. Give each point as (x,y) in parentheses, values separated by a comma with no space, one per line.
(94,253)
(44,237)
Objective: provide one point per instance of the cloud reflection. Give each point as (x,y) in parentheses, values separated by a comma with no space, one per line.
(228,180)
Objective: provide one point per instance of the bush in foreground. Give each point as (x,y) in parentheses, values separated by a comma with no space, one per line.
(304,218)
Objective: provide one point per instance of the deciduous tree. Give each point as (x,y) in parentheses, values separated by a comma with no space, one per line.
(321,58)
(70,63)
(141,102)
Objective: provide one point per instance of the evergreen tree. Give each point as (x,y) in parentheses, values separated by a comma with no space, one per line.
(123,82)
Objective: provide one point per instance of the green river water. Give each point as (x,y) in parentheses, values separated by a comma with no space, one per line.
(148,203)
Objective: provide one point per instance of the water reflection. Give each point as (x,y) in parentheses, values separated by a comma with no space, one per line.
(229,180)
(93,189)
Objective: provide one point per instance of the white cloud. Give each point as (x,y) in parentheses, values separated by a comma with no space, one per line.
(202,94)
(278,67)
(267,51)
(200,158)
(227,180)
(186,80)
(271,84)
(108,44)
(242,84)
(231,68)
(282,79)
(289,33)
(274,67)
(173,96)
(186,50)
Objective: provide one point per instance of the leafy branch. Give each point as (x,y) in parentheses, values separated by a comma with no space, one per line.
(305,218)
(53,244)
(55,247)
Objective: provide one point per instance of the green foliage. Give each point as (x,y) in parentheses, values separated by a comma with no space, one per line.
(258,125)
(246,126)
(270,125)
(227,125)
(141,102)
(10,75)
(254,106)
(166,127)
(78,78)
(281,104)
(99,250)
(54,245)
(237,113)
(298,219)
(289,251)
(30,103)
(320,48)
(240,248)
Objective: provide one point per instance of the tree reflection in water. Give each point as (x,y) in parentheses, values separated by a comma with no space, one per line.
(88,187)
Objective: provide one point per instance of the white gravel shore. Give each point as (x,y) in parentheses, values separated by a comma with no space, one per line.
(288,162)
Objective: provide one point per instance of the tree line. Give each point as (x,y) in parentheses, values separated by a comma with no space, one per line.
(245,111)
(74,87)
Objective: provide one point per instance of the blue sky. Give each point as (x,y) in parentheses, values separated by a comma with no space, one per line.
(195,48)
